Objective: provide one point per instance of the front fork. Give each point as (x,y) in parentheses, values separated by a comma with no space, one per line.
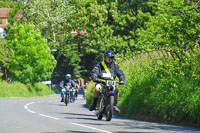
(104,99)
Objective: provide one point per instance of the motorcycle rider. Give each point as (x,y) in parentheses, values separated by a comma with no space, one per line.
(84,89)
(106,66)
(76,88)
(66,82)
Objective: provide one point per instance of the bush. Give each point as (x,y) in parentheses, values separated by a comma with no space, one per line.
(29,60)
(42,89)
(17,89)
(165,91)
(90,92)
(162,91)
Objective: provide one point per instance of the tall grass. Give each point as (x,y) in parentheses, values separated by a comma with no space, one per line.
(17,89)
(89,93)
(165,91)
(134,96)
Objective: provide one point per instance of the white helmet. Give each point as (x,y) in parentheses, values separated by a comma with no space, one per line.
(68,76)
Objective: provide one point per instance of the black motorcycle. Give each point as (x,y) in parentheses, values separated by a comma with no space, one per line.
(67,98)
(105,103)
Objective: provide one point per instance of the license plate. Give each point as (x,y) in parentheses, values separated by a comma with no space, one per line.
(110,83)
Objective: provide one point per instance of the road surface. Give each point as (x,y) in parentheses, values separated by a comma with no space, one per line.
(49,115)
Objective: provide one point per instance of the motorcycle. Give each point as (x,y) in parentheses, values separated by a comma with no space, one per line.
(67,94)
(105,102)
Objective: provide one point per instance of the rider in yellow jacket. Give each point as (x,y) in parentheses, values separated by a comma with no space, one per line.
(106,67)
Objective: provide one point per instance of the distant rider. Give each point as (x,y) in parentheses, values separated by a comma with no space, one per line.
(103,67)
(76,88)
(66,82)
(84,89)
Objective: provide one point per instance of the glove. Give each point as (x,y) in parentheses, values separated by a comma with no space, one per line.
(95,79)
(121,82)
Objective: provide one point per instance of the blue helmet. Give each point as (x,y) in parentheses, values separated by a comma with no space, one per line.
(75,80)
(109,53)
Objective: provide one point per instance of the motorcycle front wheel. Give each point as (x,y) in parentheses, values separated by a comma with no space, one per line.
(99,110)
(109,108)
(66,99)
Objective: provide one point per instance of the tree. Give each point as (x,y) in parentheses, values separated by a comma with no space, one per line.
(4,55)
(7,4)
(54,18)
(109,26)
(175,25)
(30,60)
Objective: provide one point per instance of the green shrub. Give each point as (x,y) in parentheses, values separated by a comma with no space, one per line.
(176,95)
(17,89)
(42,89)
(90,92)
(162,91)
(29,60)
(167,91)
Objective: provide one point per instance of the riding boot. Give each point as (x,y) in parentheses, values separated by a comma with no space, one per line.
(93,105)
(115,102)
(115,107)
(62,100)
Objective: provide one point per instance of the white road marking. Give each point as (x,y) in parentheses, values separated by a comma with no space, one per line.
(49,116)
(91,128)
(31,111)
(26,107)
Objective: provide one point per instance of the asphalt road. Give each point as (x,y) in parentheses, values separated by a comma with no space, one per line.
(49,115)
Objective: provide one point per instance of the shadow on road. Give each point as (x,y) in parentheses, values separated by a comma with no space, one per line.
(79,116)
(140,125)
(78,132)
(70,131)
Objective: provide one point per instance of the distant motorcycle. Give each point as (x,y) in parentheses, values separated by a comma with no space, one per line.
(66,98)
(105,103)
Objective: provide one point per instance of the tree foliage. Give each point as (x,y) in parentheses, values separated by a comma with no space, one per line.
(4,56)
(175,24)
(123,26)
(29,60)
(53,19)
(7,4)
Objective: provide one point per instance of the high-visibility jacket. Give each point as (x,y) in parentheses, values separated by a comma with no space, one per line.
(114,70)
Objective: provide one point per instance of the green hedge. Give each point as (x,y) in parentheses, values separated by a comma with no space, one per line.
(17,89)
(162,91)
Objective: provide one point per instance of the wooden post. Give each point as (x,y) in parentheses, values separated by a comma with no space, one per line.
(149,54)
(171,52)
(163,54)
(177,55)
(166,52)
(158,54)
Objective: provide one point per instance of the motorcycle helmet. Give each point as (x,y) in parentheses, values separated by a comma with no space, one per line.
(109,53)
(75,80)
(68,76)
